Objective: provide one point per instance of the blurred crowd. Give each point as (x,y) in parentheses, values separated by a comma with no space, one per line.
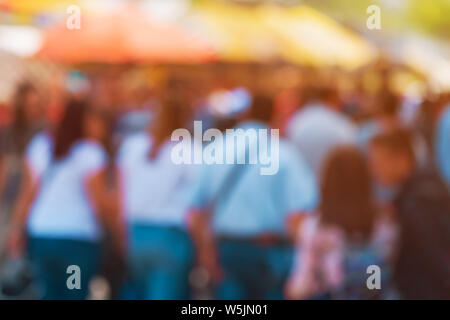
(87,179)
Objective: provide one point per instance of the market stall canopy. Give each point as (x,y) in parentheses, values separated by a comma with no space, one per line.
(123,36)
(23,41)
(237,32)
(298,34)
(309,37)
(29,7)
(429,57)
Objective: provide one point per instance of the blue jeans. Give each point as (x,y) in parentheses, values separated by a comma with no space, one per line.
(160,259)
(51,257)
(253,271)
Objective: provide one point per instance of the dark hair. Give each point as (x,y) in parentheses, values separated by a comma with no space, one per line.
(110,120)
(20,125)
(397,141)
(347,194)
(315,94)
(70,129)
(262,108)
(171,116)
(388,103)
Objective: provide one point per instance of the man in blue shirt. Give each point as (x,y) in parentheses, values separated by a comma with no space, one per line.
(243,218)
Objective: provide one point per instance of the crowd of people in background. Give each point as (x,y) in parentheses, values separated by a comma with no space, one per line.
(94,185)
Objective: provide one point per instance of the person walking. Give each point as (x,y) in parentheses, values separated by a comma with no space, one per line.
(57,218)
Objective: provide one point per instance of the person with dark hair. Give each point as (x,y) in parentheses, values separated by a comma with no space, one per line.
(156,193)
(386,118)
(343,240)
(28,116)
(244,219)
(346,199)
(27,121)
(422,208)
(395,145)
(59,211)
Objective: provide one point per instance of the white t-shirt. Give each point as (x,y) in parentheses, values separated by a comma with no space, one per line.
(155,191)
(62,208)
(316,130)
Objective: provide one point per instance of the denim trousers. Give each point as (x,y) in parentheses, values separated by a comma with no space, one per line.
(253,271)
(160,260)
(51,258)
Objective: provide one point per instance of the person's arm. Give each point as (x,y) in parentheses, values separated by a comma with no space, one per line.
(106,203)
(294,223)
(300,195)
(301,283)
(16,235)
(199,227)
(198,222)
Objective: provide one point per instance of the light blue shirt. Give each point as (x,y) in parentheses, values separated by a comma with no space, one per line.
(258,203)
(155,191)
(443,144)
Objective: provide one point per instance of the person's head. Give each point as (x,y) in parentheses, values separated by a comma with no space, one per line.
(387,104)
(391,157)
(27,103)
(80,121)
(27,112)
(97,125)
(70,129)
(321,94)
(346,194)
(173,114)
(261,109)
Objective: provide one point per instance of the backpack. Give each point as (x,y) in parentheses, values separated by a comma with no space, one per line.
(422,270)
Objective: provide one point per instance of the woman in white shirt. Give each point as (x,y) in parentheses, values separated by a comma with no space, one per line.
(61,204)
(156,199)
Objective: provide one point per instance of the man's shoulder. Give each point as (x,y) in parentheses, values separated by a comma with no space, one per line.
(137,140)
(320,116)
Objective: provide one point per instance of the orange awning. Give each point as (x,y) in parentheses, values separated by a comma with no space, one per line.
(127,36)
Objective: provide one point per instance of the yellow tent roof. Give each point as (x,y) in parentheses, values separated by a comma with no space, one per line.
(298,34)
(308,36)
(238,32)
(37,6)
